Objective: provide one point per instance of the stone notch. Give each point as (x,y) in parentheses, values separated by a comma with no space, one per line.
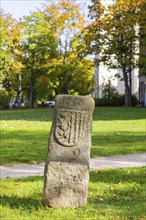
(66,172)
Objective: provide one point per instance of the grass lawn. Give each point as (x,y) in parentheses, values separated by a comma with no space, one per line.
(24,133)
(114,194)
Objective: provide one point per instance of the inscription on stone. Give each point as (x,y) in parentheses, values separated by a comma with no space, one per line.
(67,165)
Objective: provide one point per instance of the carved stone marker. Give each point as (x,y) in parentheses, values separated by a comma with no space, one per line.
(66,173)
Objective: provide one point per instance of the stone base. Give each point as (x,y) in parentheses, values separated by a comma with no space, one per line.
(65,184)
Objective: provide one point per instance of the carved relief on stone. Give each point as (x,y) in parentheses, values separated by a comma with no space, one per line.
(70,126)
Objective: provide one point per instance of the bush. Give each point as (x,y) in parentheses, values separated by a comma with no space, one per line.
(115,100)
(4,100)
(134,100)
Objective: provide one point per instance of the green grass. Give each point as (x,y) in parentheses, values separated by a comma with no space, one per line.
(24,133)
(118,131)
(114,194)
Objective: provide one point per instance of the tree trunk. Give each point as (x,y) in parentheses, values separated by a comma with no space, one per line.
(130,88)
(31,92)
(32,82)
(127,89)
(67,84)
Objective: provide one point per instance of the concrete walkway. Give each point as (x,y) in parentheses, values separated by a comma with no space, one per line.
(131,160)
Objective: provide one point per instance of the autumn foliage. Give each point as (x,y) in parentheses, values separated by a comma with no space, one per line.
(117,34)
(50,51)
(41,54)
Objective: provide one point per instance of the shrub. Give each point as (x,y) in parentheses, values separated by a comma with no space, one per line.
(4,100)
(115,100)
(134,100)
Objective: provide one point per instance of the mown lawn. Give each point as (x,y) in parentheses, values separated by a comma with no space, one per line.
(24,133)
(114,194)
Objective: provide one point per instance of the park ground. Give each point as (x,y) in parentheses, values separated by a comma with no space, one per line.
(115,131)
(117,194)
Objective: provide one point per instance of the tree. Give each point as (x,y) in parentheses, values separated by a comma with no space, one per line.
(117,42)
(44,52)
(10,51)
(76,77)
(39,48)
(72,72)
(142,36)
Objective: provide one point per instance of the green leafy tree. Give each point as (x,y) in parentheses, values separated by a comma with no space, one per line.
(115,36)
(39,48)
(72,73)
(142,36)
(10,52)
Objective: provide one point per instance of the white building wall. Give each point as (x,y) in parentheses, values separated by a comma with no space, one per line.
(105,74)
(135,82)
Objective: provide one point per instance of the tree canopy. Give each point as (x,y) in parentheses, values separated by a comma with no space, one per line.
(46,53)
(41,53)
(116,33)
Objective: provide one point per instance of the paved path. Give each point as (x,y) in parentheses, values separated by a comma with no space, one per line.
(131,160)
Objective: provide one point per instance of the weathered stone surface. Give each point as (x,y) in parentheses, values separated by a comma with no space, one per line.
(66,184)
(67,164)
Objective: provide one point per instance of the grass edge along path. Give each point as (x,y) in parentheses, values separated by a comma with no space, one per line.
(114,194)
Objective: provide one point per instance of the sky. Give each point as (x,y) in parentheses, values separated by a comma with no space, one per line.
(19,8)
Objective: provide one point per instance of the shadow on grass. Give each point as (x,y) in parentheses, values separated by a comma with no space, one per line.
(112,190)
(27,202)
(100,113)
(25,147)
(17,202)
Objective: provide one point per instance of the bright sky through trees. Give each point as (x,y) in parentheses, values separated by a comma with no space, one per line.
(19,8)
